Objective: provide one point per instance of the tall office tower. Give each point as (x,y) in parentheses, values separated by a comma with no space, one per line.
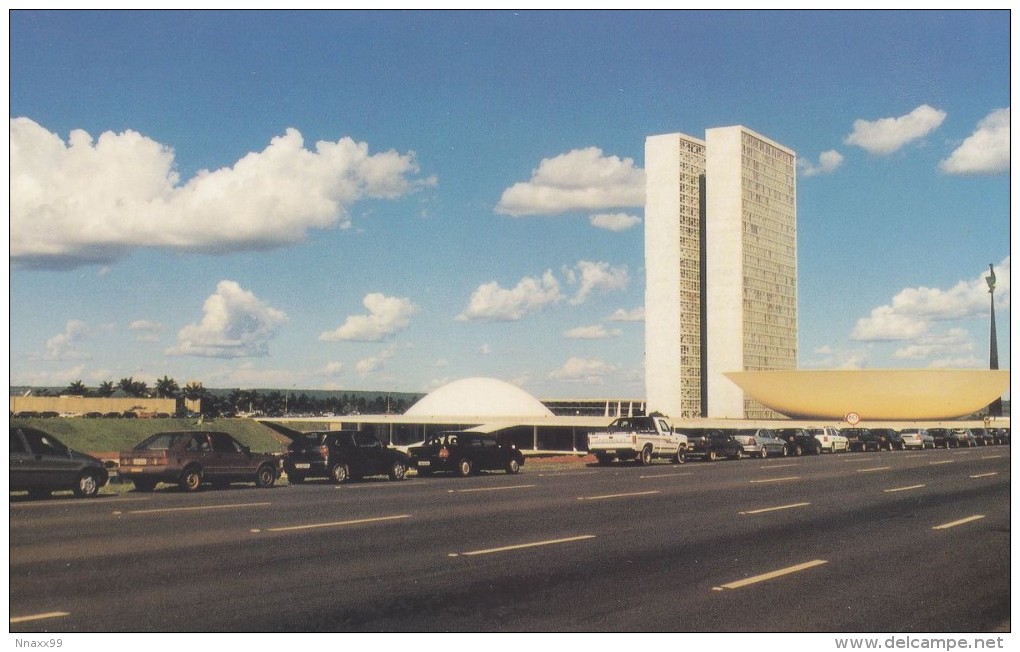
(674,269)
(750,263)
(720,269)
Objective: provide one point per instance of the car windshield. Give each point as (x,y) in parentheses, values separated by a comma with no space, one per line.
(163,441)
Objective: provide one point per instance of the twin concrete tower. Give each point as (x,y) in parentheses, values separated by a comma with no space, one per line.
(721,269)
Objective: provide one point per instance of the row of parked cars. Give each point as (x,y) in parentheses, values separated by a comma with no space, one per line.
(41,464)
(712,444)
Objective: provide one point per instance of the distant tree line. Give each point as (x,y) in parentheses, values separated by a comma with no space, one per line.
(222,403)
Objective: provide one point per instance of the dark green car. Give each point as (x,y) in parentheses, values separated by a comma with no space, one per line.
(41,464)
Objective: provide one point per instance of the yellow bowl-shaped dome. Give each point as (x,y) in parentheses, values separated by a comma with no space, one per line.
(886,394)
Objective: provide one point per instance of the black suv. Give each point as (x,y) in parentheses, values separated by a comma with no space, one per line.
(464,453)
(41,464)
(341,455)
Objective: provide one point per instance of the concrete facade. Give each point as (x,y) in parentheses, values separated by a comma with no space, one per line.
(721,269)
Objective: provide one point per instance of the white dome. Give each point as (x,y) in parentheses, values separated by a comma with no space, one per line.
(479,397)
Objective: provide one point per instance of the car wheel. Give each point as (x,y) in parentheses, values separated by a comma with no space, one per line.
(191,479)
(513,466)
(339,473)
(797,450)
(144,485)
(644,458)
(763,453)
(87,486)
(710,456)
(295,478)
(265,477)
(464,468)
(787,452)
(738,454)
(680,457)
(397,470)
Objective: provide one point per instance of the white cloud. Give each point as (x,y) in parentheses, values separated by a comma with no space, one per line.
(614,221)
(955,341)
(596,332)
(986,151)
(490,302)
(637,314)
(386,317)
(583,370)
(828,162)
(146,331)
(582,179)
(374,363)
(93,201)
(912,311)
(887,135)
(485,349)
(331,369)
(63,346)
(596,277)
(236,324)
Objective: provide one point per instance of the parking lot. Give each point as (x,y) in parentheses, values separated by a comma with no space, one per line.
(899,541)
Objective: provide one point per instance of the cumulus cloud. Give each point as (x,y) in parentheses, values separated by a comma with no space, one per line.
(374,363)
(887,135)
(596,277)
(913,310)
(63,346)
(986,151)
(583,370)
(386,317)
(91,201)
(582,179)
(614,221)
(331,369)
(236,324)
(146,331)
(952,342)
(596,332)
(637,314)
(490,302)
(828,162)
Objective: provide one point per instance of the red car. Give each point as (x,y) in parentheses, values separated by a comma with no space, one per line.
(192,458)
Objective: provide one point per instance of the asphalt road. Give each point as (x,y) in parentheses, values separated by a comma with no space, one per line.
(856,542)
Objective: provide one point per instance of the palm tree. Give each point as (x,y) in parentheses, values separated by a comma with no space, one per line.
(106,389)
(132,387)
(77,388)
(167,387)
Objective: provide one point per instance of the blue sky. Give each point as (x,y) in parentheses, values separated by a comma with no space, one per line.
(396,200)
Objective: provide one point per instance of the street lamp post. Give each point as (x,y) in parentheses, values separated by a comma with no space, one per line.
(995,407)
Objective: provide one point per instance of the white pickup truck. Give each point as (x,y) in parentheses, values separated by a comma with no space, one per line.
(638,438)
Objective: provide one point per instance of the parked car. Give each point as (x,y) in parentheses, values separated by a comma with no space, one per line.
(464,453)
(699,444)
(759,442)
(983,437)
(857,438)
(917,438)
(964,437)
(341,455)
(830,439)
(191,458)
(952,437)
(1001,435)
(799,441)
(718,444)
(886,439)
(41,464)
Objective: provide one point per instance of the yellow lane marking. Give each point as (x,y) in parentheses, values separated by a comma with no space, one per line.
(636,493)
(522,545)
(877,468)
(946,526)
(914,486)
(774,509)
(792,477)
(291,528)
(663,475)
(52,614)
(940,462)
(768,576)
(470,491)
(985,475)
(193,509)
